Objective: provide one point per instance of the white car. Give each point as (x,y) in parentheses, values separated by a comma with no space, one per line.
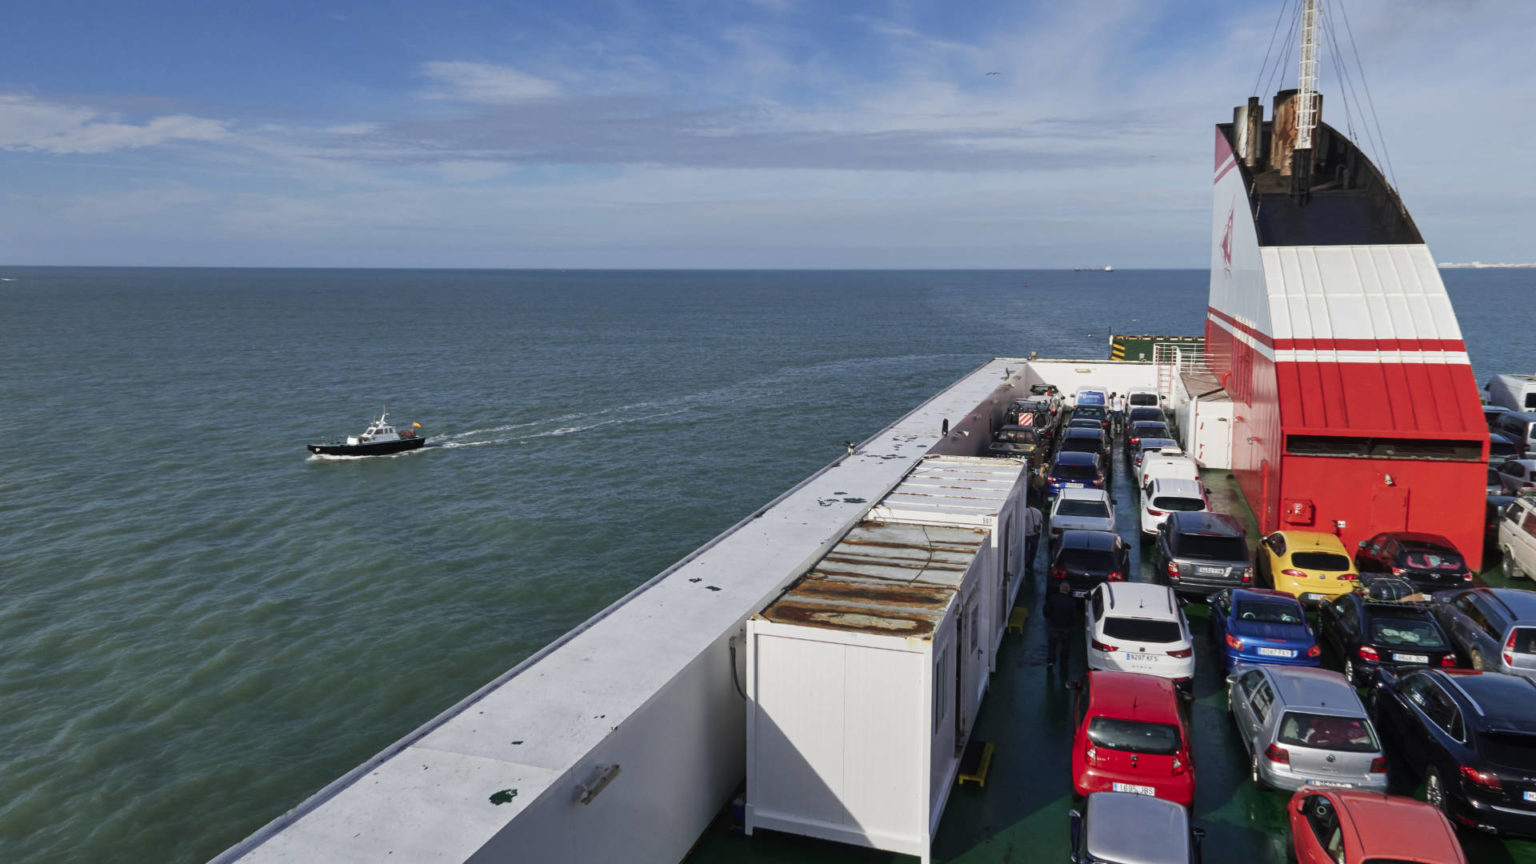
(1168,462)
(1139,627)
(1142,397)
(1163,495)
(1517,538)
(1089,509)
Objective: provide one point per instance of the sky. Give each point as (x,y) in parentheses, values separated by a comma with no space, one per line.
(720,133)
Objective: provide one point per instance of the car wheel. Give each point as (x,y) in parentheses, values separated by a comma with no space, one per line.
(1258,779)
(1434,791)
(1477,660)
(1349,672)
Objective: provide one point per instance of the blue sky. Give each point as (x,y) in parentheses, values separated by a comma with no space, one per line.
(728,133)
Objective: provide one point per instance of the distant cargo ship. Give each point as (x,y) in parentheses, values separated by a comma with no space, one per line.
(1105,269)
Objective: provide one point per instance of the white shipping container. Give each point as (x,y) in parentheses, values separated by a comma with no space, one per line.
(865,677)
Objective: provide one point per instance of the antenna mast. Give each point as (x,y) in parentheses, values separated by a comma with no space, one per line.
(1306,107)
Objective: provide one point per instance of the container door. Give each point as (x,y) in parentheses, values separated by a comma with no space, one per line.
(1389,508)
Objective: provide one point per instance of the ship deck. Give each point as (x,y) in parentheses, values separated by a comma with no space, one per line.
(1021,813)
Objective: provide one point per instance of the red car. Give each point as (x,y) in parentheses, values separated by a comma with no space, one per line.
(1349,826)
(1133,737)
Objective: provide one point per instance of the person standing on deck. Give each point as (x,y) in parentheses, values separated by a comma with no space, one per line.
(1060,617)
(1116,413)
(1033,522)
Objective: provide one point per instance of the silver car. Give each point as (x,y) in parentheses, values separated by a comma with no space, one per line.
(1088,509)
(1304,727)
(1123,828)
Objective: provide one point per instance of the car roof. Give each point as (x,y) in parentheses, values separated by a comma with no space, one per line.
(1520,603)
(1124,826)
(1149,423)
(1076,457)
(1176,485)
(1262,594)
(1205,522)
(1084,433)
(1132,696)
(1312,540)
(1309,688)
(1141,599)
(1087,538)
(1398,827)
(1085,494)
(1146,444)
(1505,702)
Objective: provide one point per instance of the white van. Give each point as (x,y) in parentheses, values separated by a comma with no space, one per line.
(1517,538)
(1164,464)
(1515,392)
(1142,397)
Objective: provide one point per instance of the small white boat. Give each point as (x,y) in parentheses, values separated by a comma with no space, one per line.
(379,439)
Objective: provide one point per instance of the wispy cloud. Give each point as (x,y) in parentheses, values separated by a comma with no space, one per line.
(29,124)
(485,83)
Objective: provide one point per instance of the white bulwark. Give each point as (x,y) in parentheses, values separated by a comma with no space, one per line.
(865,678)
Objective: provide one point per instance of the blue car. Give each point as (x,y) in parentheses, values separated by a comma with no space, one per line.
(1258,625)
(1084,470)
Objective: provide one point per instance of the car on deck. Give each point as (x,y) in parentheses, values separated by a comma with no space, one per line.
(1518,476)
(1164,495)
(1084,509)
(1517,537)
(1132,736)
(1074,470)
(1201,552)
(1348,826)
(1084,559)
(1304,727)
(1493,629)
(1017,442)
(1137,627)
(1151,448)
(1312,566)
(1370,634)
(1099,413)
(1085,441)
(1134,432)
(1471,736)
(1429,561)
(1257,625)
(1124,828)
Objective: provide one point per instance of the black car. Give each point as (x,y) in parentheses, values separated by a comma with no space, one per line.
(1371,634)
(1137,415)
(1085,441)
(1084,423)
(1199,552)
(1427,560)
(1471,735)
(1086,558)
(1096,412)
(1134,432)
(1019,442)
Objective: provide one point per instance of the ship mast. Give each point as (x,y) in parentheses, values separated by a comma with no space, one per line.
(1306,107)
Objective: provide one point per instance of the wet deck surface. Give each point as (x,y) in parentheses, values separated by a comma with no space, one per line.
(1021,814)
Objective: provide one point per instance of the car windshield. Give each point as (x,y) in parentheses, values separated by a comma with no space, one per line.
(1177,503)
(1149,429)
(1388,588)
(1268,612)
(1077,444)
(1350,734)
(1144,399)
(1078,507)
(1319,561)
(1397,632)
(1429,558)
(1510,749)
(1132,736)
(1016,436)
(1095,412)
(1076,472)
(1142,630)
(1207,547)
(1100,560)
(1138,415)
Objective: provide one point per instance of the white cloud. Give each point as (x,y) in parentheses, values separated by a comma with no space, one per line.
(354,129)
(485,83)
(28,124)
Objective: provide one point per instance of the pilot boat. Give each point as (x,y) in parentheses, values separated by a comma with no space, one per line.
(379,439)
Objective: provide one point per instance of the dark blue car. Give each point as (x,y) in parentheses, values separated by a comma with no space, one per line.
(1085,470)
(1258,625)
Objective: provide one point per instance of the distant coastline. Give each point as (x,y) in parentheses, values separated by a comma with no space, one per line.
(1478,265)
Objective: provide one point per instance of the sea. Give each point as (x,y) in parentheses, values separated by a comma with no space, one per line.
(201,624)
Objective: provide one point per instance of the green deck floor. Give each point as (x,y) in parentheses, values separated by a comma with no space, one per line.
(1021,815)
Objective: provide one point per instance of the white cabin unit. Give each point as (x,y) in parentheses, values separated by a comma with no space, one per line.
(865,676)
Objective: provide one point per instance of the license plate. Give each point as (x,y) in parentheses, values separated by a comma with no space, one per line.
(1410,658)
(1073,485)
(1326,783)
(1276,652)
(1142,790)
(1134,657)
(1211,571)
(1529,796)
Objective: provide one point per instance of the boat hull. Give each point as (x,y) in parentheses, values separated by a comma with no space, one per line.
(377,448)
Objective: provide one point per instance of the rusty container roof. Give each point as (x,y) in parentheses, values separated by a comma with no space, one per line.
(896,572)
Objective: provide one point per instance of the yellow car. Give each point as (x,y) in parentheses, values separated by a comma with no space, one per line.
(1309,565)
